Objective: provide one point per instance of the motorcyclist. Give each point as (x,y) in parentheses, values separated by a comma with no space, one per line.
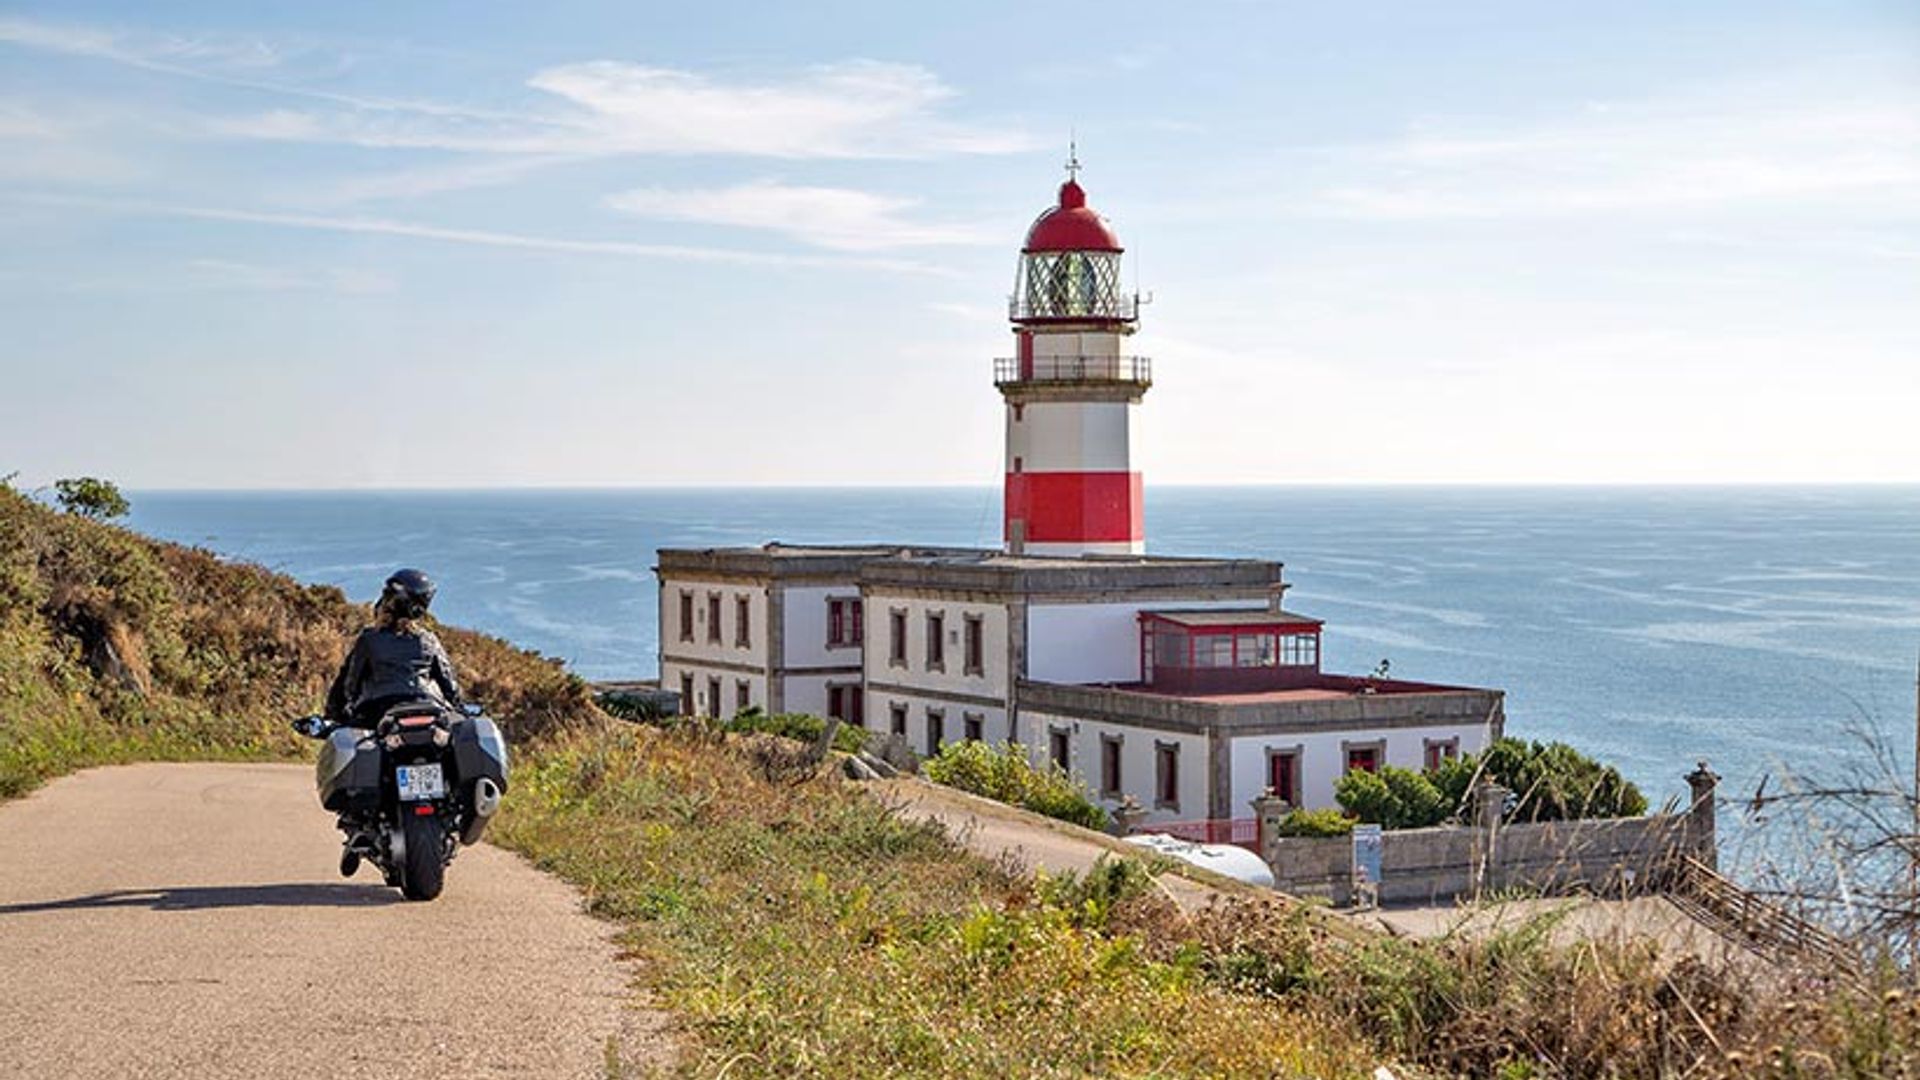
(394,661)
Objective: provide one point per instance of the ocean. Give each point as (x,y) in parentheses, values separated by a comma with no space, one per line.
(1759,629)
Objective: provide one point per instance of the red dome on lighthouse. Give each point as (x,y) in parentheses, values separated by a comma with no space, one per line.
(1071,226)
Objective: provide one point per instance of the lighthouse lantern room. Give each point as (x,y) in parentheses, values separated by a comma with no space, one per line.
(1071,390)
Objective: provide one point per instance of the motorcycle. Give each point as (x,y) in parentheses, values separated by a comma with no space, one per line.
(412,790)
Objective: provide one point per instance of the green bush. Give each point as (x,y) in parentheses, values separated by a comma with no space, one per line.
(1323,822)
(1551,782)
(1004,773)
(1453,778)
(1393,798)
(1555,782)
(802,726)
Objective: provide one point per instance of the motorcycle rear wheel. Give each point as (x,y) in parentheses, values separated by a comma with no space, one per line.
(423,874)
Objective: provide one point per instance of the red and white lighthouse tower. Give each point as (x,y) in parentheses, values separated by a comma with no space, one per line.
(1071,391)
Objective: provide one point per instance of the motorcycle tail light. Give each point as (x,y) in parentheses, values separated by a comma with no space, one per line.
(441,736)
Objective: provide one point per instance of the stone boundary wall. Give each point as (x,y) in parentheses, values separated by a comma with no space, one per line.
(1420,866)
(1609,856)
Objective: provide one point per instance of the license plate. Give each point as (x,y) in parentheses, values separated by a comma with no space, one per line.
(419,782)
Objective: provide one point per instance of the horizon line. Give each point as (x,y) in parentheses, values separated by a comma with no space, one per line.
(560,488)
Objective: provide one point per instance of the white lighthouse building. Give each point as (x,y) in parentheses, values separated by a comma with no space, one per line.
(1182,684)
(1071,390)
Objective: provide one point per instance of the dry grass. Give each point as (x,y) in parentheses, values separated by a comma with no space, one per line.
(804,929)
(807,930)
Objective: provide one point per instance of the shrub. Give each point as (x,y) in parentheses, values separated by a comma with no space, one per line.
(1393,798)
(1555,782)
(1550,782)
(1323,822)
(801,726)
(1004,773)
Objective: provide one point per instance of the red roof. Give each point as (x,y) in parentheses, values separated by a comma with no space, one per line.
(1071,226)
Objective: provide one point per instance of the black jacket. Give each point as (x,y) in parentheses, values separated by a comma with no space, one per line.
(387,667)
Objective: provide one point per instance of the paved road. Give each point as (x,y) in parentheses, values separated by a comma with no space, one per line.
(188,921)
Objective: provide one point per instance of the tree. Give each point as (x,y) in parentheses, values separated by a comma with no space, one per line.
(90,497)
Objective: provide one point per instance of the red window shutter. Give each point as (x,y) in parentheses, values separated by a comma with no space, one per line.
(858,617)
(834,621)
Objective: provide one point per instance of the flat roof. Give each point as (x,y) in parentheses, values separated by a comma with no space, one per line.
(1318,686)
(984,569)
(1314,703)
(1201,617)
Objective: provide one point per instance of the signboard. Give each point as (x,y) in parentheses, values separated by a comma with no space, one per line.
(1367,845)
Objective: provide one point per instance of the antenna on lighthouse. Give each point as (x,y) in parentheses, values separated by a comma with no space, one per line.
(1073,156)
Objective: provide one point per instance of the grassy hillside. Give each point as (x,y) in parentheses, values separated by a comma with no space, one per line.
(117,647)
(803,928)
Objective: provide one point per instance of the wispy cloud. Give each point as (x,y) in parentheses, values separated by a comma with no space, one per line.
(853,109)
(857,109)
(242,62)
(476,237)
(604,108)
(410,183)
(1728,149)
(836,218)
(170,53)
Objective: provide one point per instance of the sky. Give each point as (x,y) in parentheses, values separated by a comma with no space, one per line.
(489,244)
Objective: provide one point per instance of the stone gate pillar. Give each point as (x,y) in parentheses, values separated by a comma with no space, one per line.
(1699,832)
(1268,810)
(1489,804)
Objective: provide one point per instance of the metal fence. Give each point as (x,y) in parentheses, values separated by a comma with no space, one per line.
(1073,369)
(1242,831)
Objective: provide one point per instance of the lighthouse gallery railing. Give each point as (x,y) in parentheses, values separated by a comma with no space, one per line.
(1065,369)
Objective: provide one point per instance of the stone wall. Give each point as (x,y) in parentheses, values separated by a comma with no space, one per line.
(1610,856)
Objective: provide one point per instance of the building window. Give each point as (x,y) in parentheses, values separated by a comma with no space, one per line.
(1440,751)
(1300,650)
(1166,775)
(843,623)
(713,618)
(1365,757)
(687,705)
(898,718)
(936,731)
(742,622)
(1256,650)
(936,641)
(713,695)
(848,703)
(1283,776)
(975,726)
(974,654)
(686,615)
(1110,766)
(1059,750)
(742,695)
(897,638)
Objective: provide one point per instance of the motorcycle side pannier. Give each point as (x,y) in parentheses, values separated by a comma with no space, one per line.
(349,772)
(479,751)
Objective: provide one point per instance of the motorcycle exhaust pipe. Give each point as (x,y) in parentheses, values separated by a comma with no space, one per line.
(486,802)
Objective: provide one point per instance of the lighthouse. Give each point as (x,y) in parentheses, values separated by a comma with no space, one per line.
(1071,390)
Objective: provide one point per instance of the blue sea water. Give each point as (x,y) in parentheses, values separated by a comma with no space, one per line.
(1753,627)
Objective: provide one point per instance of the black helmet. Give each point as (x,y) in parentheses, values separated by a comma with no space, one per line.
(409,593)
